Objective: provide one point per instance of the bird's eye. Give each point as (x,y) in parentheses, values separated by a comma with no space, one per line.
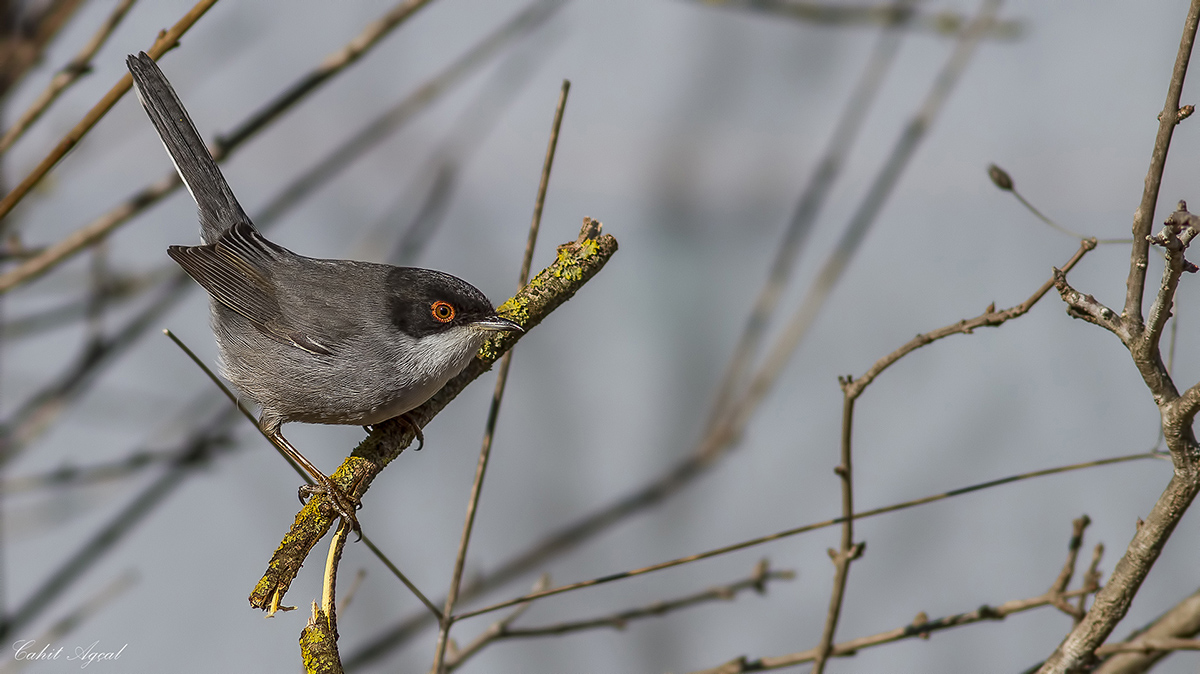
(442,312)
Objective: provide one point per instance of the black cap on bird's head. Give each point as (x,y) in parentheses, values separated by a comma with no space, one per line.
(424,302)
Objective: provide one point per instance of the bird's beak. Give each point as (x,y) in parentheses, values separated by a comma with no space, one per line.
(497,324)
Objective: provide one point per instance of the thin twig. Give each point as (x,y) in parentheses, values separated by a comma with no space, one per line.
(456,657)
(1182,621)
(396,635)
(1143,217)
(502,630)
(403,578)
(918,629)
(501,380)
(165,41)
(787,533)
(849,550)
(921,627)
(70,73)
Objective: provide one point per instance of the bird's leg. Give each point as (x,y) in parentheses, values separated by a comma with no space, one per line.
(342,503)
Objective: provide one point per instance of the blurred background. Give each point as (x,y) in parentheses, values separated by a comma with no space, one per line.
(691,131)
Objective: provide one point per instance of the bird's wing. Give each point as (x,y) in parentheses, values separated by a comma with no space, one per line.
(236,271)
(218,208)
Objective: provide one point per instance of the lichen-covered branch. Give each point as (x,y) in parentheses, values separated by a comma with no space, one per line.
(577,262)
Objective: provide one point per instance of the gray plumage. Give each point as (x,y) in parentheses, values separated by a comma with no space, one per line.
(312,340)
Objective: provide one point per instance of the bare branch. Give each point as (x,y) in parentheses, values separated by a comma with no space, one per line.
(70,73)
(502,630)
(921,627)
(1143,217)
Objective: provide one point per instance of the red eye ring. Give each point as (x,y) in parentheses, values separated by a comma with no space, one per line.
(442,312)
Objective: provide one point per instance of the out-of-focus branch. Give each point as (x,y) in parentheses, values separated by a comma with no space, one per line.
(35,415)
(369,136)
(1181,622)
(829,14)
(577,262)
(26,39)
(841,141)
(166,40)
(70,73)
(73,243)
(194,450)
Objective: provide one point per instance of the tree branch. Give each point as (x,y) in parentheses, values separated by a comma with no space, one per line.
(1143,217)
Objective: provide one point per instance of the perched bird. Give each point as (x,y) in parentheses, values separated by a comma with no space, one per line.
(312,340)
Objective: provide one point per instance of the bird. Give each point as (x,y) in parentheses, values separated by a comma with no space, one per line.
(311,340)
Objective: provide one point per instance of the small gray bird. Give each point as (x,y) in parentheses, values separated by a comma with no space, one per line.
(311,340)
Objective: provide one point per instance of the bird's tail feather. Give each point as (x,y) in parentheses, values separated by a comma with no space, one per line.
(219,209)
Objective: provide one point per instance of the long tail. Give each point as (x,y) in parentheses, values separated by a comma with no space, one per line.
(219,209)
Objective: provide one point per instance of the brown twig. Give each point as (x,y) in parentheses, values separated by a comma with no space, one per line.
(166,41)
(403,578)
(787,533)
(577,262)
(502,630)
(921,627)
(1143,217)
(70,73)
(1177,414)
(397,634)
(455,656)
(485,451)
(990,318)
(1004,181)
(1181,622)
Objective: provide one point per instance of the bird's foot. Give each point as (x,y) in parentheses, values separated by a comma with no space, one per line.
(343,503)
